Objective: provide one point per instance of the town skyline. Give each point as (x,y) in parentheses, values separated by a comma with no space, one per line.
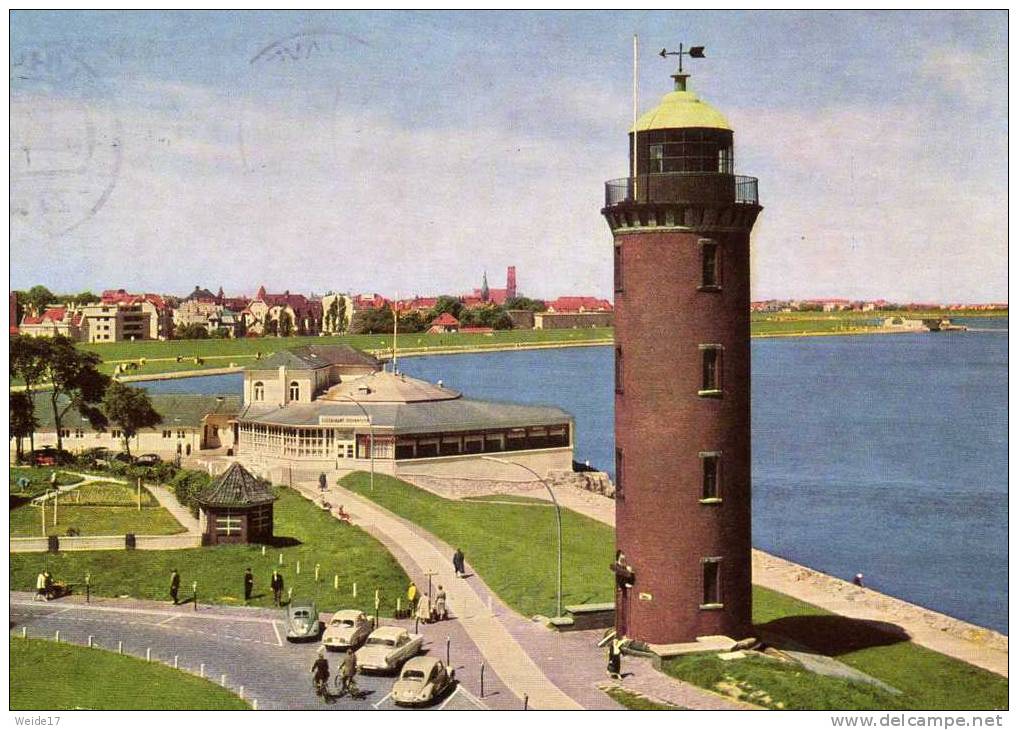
(245,143)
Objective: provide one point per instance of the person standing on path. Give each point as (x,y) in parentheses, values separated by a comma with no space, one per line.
(323,483)
(248,585)
(174,586)
(457,563)
(277,587)
(441,612)
(53,480)
(40,587)
(411,597)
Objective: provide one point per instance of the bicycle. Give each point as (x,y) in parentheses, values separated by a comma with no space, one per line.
(321,687)
(347,685)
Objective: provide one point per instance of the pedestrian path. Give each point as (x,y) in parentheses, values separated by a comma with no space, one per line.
(501,652)
(180,513)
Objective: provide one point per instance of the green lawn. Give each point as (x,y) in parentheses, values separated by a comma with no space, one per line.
(512,547)
(304,533)
(633,701)
(927,680)
(46,676)
(517,498)
(39,480)
(806,323)
(100,508)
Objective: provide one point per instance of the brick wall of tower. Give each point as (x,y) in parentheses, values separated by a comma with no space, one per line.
(662,425)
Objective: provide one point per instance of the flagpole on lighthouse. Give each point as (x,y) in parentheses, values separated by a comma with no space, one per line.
(636,105)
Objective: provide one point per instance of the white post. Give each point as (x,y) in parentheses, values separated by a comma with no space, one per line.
(316,572)
(241,692)
(201,671)
(298,567)
(24,632)
(222,679)
(139,494)
(289,594)
(148,654)
(281,558)
(263,550)
(56,503)
(90,641)
(43,513)
(56,637)
(355,589)
(254,704)
(176,664)
(335,582)
(120,647)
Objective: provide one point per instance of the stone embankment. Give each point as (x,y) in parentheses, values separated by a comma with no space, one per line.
(595,482)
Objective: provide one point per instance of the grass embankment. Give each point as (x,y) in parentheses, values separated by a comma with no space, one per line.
(927,680)
(99,508)
(763,324)
(304,533)
(512,547)
(47,676)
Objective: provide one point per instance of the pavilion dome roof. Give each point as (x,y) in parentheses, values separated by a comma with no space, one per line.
(682,109)
(386,387)
(237,487)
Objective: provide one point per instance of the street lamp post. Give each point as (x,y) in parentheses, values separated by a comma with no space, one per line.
(371,433)
(558,518)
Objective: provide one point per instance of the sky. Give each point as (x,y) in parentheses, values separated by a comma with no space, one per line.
(409,152)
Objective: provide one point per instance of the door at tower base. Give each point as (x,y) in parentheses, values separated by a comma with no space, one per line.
(681,232)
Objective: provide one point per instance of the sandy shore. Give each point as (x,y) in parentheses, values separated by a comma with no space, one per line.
(973,644)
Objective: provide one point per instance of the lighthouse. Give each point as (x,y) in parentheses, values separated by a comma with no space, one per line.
(681,227)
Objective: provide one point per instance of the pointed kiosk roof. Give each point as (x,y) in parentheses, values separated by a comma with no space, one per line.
(237,487)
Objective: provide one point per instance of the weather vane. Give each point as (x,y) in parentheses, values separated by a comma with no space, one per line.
(693,52)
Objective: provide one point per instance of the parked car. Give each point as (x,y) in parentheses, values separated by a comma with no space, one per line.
(387,648)
(148,460)
(347,630)
(124,457)
(302,621)
(423,680)
(51,456)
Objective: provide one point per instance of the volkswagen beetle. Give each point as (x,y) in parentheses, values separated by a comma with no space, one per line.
(302,621)
(423,680)
(347,630)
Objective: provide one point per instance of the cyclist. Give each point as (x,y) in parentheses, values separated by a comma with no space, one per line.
(347,675)
(320,670)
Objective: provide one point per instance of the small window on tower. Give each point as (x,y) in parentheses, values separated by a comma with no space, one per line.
(711,366)
(618,369)
(619,468)
(657,153)
(711,465)
(710,270)
(711,583)
(618,268)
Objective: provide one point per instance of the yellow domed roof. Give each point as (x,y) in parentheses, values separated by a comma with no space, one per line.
(679,110)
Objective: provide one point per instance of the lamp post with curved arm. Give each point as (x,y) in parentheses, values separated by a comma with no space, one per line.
(371,433)
(558,517)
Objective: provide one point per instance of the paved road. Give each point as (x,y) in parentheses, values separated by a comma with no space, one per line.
(248,646)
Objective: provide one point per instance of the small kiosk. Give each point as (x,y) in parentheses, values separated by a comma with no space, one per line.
(236,508)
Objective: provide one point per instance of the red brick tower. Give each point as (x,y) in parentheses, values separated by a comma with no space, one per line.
(682,375)
(510,283)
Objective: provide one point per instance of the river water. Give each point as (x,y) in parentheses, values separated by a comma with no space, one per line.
(880,454)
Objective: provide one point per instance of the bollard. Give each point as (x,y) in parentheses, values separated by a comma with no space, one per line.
(222,679)
(335,582)
(281,558)
(176,665)
(89,641)
(399,607)
(88,587)
(24,632)
(355,589)
(56,637)
(298,567)
(241,692)
(263,550)
(201,671)
(120,647)
(482,680)
(194,587)
(448,643)
(289,594)
(148,654)
(316,572)
(526,701)
(254,704)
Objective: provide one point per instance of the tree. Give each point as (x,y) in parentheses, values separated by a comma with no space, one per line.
(130,409)
(446,303)
(192,331)
(271,326)
(75,382)
(534,305)
(285,324)
(38,297)
(23,421)
(340,323)
(28,362)
(485,292)
(372,321)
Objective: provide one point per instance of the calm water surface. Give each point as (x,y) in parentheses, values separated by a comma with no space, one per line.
(883,454)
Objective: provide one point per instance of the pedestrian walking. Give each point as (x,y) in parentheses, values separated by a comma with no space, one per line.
(423,609)
(440,610)
(615,658)
(174,586)
(323,483)
(248,584)
(47,584)
(457,563)
(40,587)
(277,587)
(411,596)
